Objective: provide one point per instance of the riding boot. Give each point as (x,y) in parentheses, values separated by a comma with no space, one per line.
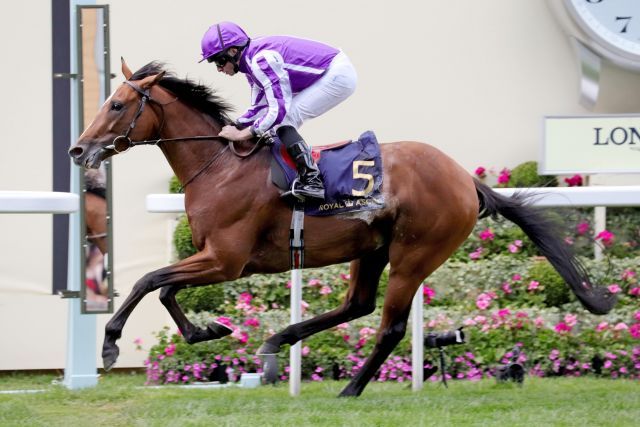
(310,183)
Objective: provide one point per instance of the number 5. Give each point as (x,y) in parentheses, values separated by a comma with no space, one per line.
(358,175)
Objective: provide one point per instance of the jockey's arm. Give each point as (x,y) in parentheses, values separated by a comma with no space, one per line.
(267,67)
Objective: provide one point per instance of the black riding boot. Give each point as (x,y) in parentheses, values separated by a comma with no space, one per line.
(310,184)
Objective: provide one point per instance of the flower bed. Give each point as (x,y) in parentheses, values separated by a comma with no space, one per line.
(555,340)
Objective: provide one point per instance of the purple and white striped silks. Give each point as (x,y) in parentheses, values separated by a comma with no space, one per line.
(278,68)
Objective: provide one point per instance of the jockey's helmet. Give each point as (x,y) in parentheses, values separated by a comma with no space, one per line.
(220,37)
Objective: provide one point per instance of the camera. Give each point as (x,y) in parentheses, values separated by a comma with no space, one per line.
(512,371)
(443,339)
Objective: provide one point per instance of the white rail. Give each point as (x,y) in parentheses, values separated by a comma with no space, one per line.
(616,196)
(80,366)
(38,202)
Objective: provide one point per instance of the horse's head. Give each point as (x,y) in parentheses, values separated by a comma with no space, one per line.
(121,118)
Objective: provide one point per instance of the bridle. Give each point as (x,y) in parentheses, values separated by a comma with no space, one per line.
(122,143)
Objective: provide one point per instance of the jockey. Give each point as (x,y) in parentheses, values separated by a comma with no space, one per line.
(291,79)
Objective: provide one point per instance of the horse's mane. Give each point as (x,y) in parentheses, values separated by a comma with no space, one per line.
(195,94)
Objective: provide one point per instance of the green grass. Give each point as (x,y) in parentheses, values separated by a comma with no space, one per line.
(120,400)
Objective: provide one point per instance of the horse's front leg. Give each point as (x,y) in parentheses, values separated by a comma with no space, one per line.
(191,333)
(201,268)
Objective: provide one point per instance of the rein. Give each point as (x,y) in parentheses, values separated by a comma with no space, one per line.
(123,143)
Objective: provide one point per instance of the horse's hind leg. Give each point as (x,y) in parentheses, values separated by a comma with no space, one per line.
(191,333)
(360,301)
(408,270)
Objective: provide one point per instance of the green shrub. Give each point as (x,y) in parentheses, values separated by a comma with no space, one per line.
(526,175)
(182,239)
(556,292)
(203,298)
(174,185)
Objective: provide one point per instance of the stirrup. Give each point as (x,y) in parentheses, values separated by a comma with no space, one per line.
(298,193)
(292,191)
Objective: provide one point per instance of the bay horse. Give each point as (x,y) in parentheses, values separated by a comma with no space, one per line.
(240,224)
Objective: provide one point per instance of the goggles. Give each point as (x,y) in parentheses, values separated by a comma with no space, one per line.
(219,60)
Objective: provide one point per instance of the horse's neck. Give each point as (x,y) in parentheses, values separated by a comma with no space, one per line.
(187,157)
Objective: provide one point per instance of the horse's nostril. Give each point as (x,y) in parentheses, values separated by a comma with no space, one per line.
(75,152)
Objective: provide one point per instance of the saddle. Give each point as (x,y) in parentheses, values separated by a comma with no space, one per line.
(351,173)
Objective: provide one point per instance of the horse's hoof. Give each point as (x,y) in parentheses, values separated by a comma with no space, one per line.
(267,349)
(349,392)
(219,330)
(269,368)
(109,357)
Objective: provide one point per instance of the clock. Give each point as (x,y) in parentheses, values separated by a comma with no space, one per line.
(600,30)
(611,27)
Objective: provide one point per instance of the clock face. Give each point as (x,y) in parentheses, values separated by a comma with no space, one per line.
(615,24)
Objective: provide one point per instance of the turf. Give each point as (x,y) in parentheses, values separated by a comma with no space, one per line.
(122,400)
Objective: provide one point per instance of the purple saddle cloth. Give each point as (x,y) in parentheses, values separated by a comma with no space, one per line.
(351,173)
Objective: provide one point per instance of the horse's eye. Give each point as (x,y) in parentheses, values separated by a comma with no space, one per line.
(116,106)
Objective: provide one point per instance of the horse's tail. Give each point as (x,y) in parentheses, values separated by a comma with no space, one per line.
(545,234)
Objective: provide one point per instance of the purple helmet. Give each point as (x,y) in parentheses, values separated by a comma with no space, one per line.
(220,37)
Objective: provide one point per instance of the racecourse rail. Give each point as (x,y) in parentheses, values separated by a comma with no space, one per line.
(598,197)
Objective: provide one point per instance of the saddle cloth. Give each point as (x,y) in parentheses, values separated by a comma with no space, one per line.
(351,173)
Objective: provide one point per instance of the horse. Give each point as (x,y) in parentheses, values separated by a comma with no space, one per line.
(95,208)
(240,224)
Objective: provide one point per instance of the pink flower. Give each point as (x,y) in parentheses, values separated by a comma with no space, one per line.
(606,237)
(628,274)
(428,294)
(477,253)
(574,181)
(602,326)
(562,327)
(345,276)
(480,172)
(314,282)
(614,288)
(571,319)
(583,227)
(483,301)
(637,316)
(138,341)
(634,330)
(504,312)
(241,336)
(634,291)
(225,321)
(516,277)
(513,248)
(533,285)
(621,326)
(245,298)
(170,349)
(487,234)
(506,288)
(305,350)
(538,322)
(252,321)
(504,177)
(325,290)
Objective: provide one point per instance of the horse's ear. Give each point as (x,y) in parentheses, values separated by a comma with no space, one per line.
(125,69)
(147,82)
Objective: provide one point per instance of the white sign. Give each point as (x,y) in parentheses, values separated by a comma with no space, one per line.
(591,144)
